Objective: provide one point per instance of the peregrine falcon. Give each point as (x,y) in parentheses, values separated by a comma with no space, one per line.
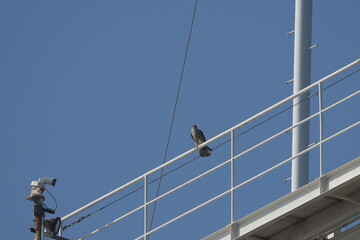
(199,138)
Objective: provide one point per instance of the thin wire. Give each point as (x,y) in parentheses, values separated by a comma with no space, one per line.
(56,205)
(341,79)
(174,112)
(221,144)
(128,194)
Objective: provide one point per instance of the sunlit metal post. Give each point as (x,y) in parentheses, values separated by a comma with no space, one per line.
(302,72)
(232,169)
(232,214)
(145,206)
(321,131)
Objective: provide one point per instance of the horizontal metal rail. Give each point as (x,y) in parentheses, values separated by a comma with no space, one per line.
(219,136)
(295,125)
(297,155)
(114,221)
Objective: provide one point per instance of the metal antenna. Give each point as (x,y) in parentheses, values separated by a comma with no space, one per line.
(302,74)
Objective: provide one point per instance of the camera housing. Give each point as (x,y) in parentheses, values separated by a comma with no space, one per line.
(49,181)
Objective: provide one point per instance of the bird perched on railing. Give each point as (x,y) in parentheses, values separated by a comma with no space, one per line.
(199,138)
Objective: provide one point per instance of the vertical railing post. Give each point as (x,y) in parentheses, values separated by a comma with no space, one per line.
(232,208)
(321,131)
(145,206)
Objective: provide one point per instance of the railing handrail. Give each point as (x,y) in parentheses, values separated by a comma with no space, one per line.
(243,123)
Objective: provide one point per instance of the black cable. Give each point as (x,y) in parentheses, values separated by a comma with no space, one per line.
(221,144)
(341,79)
(174,112)
(128,194)
(56,205)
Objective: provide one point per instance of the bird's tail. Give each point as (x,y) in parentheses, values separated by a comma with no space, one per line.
(205,151)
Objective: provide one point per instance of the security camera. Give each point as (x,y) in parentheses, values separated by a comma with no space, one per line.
(49,181)
(38,187)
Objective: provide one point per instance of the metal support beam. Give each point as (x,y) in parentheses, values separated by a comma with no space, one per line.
(321,222)
(302,74)
(345,198)
(254,238)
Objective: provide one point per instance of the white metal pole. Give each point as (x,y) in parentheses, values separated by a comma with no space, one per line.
(232,207)
(145,207)
(232,196)
(301,110)
(321,131)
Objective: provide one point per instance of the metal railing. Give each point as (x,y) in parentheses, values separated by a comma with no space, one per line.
(233,186)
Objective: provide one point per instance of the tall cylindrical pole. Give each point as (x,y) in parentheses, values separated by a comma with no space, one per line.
(39,214)
(301,110)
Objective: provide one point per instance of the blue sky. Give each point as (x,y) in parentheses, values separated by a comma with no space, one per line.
(87,90)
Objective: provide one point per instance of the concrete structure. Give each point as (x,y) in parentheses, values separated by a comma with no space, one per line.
(316,210)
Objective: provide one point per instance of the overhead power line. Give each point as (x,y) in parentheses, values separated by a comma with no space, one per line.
(174,111)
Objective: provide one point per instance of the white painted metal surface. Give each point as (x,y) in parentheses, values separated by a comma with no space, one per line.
(307,193)
(302,74)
